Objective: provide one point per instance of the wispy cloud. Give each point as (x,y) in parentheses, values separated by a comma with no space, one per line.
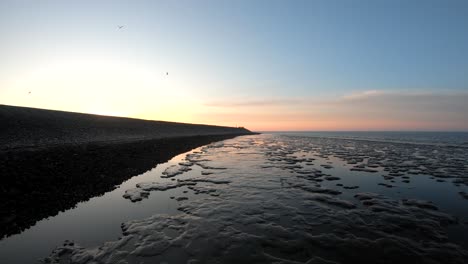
(252,103)
(371,109)
(363,95)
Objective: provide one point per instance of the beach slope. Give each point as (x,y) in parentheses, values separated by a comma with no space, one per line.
(51,160)
(23,127)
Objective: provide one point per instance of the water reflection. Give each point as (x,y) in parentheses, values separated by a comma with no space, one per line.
(277,197)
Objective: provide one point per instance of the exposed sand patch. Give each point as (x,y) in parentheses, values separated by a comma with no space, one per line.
(270,207)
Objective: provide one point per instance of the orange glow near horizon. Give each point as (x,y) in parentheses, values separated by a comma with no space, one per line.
(263,121)
(241,63)
(333,125)
(139,93)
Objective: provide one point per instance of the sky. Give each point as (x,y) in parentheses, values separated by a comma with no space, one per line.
(265,65)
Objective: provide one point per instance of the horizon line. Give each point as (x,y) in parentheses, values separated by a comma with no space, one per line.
(416,131)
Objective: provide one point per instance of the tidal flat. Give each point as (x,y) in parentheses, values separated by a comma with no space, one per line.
(283,199)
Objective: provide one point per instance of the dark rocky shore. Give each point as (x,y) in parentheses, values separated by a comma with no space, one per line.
(51,160)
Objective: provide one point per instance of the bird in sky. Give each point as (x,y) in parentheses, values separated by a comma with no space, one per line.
(167,73)
(120,27)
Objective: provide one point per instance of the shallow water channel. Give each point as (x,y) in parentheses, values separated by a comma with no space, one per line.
(92,222)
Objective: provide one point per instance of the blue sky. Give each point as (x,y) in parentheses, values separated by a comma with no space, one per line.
(224,52)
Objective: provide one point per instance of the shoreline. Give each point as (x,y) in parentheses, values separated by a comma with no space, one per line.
(42,182)
(52,160)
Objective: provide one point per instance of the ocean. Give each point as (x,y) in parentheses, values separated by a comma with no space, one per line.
(443,138)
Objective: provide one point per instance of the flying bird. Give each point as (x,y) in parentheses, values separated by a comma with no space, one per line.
(167,73)
(120,27)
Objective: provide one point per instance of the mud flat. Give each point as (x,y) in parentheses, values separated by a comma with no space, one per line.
(51,160)
(265,199)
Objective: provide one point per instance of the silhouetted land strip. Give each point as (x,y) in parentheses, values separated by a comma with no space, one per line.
(42,176)
(23,127)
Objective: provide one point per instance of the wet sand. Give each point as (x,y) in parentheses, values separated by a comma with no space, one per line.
(277,199)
